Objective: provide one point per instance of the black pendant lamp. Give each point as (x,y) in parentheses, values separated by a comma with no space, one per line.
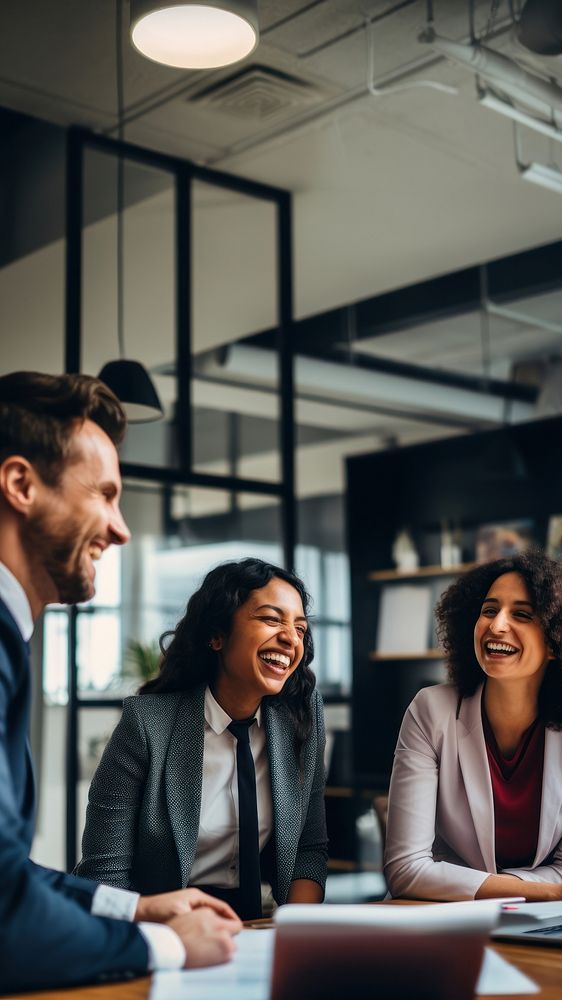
(128,379)
(134,388)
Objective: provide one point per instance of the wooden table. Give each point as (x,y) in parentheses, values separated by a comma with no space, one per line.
(544,965)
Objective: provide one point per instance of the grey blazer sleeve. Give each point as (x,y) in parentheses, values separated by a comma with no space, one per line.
(111,830)
(312,853)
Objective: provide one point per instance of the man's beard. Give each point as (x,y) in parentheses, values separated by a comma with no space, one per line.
(56,550)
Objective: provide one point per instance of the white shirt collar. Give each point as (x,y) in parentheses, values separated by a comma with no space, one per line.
(15,599)
(216,717)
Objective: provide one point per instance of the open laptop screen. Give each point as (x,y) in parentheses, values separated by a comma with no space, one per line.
(390,952)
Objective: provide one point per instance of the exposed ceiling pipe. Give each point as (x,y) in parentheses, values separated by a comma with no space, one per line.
(540,27)
(500,71)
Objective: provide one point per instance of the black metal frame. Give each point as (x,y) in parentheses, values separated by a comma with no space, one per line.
(184,173)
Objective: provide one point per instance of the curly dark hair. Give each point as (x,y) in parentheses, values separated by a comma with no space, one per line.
(39,413)
(459,609)
(188,660)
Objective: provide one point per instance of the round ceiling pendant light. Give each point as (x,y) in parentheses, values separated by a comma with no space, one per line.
(194,35)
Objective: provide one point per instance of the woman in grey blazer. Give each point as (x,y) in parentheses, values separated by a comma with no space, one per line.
(163,806)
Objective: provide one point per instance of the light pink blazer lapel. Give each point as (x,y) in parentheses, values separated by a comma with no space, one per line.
(475,771)
(550,829)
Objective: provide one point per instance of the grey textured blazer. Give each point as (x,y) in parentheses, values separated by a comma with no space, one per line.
(145,799)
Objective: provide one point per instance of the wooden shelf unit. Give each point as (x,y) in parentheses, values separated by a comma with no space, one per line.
(428,654)
(388,575)
(343,792)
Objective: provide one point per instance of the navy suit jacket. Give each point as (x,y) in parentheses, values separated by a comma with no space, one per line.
(48,937)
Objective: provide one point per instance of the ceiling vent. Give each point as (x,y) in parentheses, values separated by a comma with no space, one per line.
(258,94)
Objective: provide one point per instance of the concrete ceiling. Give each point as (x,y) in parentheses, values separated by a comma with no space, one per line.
(388,190)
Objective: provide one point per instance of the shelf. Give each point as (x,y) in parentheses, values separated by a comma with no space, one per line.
(427,654)
(422,571)
(339,865)
(343,792)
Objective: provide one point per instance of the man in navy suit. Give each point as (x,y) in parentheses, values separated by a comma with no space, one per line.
(59,511)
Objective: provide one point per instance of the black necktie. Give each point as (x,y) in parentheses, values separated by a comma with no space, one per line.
(249,846)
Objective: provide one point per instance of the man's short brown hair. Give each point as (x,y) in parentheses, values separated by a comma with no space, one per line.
(39,414)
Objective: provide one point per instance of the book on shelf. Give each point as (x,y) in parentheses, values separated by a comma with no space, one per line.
(496,541)
(404,618)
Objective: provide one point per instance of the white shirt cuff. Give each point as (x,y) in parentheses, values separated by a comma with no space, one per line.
(108,901)
(165,949)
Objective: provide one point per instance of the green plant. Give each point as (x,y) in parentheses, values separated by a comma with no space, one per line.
(142,659)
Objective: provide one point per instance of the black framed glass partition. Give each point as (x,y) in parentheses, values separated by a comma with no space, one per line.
(128,284)
(235,295)
(179,271)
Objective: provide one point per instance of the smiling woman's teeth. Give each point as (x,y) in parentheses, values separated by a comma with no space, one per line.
(500,647)
(277,659)
(95,552)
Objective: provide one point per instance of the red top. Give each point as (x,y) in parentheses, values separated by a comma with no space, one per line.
(517,790)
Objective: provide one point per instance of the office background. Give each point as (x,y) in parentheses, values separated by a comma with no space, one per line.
(374,265)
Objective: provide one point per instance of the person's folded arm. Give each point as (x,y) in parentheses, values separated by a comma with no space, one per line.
(47,937)
(548,872)
(305,890)
(309,874)
(81,890)
(542,883)
(533,890)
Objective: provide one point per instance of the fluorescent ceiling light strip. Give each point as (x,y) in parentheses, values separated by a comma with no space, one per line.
(503,108)
(329,382)
(546,177)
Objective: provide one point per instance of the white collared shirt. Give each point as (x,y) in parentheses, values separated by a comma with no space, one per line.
(15,599)
(165,949)
(216,857)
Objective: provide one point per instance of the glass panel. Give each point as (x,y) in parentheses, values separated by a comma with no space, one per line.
(234,335)
(342,408)
(504,340)
(108,579)
(326,575)
(332,661)
(48,725)
(178,533)
(98,651)
(50,830)
(95,726)
(148,287)
(32,249)
(55,657)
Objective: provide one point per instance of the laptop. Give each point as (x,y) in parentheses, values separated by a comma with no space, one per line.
(530,923)
(391,952)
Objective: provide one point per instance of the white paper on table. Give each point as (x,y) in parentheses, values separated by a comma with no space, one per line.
(500,977)
(513,913)
(248,976)
(245,978)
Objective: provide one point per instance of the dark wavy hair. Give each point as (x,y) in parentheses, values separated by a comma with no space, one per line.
(459,609)
(39,413)
(188,660)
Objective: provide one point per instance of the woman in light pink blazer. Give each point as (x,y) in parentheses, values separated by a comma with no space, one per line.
(475,804)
